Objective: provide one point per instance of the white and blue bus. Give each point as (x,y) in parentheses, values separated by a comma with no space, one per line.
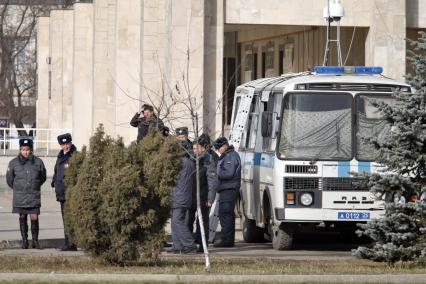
(301,146)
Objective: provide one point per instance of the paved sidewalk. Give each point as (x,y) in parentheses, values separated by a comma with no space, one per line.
(401,278)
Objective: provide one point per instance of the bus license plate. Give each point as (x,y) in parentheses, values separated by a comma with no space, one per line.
(353,215)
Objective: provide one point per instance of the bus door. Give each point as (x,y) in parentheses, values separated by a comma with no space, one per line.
(247,156)
(265,148)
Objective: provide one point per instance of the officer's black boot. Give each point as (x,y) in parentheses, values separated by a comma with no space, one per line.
(34,233)
(23,226)
(68,245)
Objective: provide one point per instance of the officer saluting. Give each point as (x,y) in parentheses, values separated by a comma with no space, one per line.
(67,150)
(229,175)
(146,120)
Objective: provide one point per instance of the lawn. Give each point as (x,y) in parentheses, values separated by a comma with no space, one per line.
(264,266)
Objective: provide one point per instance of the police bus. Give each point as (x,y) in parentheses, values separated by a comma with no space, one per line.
(300,139)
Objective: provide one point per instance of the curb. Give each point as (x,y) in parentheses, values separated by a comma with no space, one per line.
(46,243)
(388,278)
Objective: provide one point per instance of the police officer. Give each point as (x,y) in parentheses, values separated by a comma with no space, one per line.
(183,242)
(146,120)
(208,183)
(208,146)
(67,150)
(229,175)
(25,175)
(182,134)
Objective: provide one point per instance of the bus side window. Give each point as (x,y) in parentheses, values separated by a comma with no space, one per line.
(236,106)
(250,133)
(274,106)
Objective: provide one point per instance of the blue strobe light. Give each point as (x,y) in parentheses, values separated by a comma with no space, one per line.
(336,70)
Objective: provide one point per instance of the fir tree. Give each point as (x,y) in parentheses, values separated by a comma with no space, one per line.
(400,234)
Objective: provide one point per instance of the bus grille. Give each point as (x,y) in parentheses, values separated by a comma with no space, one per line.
(343,184)
(301,169)
(296,183)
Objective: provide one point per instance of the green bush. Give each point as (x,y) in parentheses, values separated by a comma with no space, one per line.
(118,198)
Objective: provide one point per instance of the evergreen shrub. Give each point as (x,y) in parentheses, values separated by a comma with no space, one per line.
(401,234)
(118,197)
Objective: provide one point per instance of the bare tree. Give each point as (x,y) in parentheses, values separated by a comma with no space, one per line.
(18,57)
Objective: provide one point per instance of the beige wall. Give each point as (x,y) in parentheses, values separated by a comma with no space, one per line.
(385,44)
(416,13)
(56,53)
(294,12)
(127,65)
(104,65)
(124,53)
(42,106)
(83,73)
(213,67)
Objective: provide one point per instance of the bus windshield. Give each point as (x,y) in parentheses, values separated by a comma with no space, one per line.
(316,127)
(370,123)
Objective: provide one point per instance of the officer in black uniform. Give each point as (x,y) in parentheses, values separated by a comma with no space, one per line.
(25,175)
(208,183)
(229,176)
(58,180)
(182,134)
(146,120)
(183,242)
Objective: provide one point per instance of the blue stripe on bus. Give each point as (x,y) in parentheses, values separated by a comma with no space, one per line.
(343,169)
(364,167)
(257,158)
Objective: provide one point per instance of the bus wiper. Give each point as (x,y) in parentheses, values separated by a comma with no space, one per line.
(337,137)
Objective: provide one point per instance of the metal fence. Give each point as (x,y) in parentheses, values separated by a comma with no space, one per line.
(44,139)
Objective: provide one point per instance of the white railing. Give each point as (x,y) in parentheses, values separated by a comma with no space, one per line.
(44,139)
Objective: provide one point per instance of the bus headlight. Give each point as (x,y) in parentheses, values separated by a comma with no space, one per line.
(306,199)
(399,199)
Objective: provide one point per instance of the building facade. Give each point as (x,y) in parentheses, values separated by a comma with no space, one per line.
(99,62)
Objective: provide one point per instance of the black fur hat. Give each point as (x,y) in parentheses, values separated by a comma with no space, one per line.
(219,142)
(64,138)
(26,142)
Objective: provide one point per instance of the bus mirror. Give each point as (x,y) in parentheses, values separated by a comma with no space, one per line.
(275,124)
(266,126)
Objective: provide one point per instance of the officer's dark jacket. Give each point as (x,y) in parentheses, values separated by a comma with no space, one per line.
(59,173)
(214,155)
(182,193)
(25,176)
(229,170)
(208,180)
(144,125)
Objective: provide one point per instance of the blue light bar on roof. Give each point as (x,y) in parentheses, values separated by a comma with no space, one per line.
(329,70)
(336,70)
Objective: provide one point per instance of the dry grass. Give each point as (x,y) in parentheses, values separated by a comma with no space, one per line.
(28,264)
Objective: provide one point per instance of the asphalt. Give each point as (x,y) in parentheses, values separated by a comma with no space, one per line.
(401,278)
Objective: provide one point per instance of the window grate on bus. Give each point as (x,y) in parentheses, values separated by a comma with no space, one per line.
(354,87)
(344,184)
(296,183)
(301,169)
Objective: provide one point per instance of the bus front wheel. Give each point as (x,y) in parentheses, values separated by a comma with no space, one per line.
(251,232)
(282,238)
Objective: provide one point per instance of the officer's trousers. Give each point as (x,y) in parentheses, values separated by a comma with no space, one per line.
(227,201)
(181,236)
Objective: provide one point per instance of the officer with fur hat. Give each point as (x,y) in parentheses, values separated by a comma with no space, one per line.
(146,120)
(208,183)
(67,150)
(229,175)
(183,242)
(25,175)
(182,134)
